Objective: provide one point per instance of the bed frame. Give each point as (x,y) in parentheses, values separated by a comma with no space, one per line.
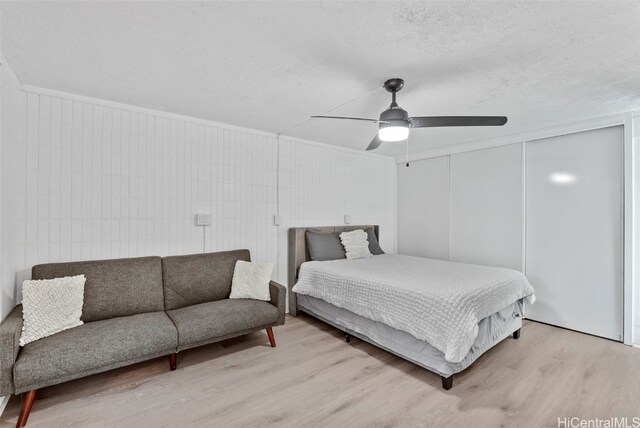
(298,254)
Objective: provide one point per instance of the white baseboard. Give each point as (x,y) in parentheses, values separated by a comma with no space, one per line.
(3,403)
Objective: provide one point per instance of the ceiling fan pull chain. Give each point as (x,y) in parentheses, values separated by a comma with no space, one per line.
(407,152)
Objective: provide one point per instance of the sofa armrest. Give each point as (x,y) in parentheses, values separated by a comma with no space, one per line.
(278,299)
(10,331)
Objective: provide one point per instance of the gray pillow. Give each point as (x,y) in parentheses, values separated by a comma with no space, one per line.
(374,245)
(324,246)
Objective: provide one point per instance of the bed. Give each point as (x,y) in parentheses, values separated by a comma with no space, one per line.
(439,315)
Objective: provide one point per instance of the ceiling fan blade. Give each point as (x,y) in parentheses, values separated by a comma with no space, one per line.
(346,118)
(437,121)
(374,144)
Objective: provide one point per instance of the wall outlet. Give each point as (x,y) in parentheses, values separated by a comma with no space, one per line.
(347,219)
(276,220)
(203,219)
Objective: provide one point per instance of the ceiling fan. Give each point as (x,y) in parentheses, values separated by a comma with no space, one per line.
(394,123)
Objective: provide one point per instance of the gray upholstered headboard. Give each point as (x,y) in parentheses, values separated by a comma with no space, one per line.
(299,254)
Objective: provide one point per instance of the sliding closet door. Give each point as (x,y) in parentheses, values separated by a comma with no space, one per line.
(574,231)
(486,207)
(423,208)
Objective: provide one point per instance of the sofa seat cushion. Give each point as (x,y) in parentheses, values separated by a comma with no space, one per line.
(93,348)
(212,321)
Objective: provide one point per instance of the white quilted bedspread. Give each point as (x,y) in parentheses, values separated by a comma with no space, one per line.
(435,301)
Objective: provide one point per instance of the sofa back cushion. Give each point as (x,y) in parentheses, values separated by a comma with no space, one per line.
(198,278)
(113,288)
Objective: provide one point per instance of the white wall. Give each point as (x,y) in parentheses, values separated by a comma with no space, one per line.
(9,163)
(636,212)
(319,185)
(486,206)
(9,137)
(423,208)
(464,207)
(102,180)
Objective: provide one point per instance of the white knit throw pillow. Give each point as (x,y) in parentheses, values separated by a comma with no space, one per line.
(251,281)
(355,243)
(50,306)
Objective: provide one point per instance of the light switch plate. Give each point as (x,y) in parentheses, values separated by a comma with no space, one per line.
(203,219)
(347,219)
(276,220)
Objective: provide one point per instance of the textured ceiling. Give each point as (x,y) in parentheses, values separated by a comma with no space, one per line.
(269,65)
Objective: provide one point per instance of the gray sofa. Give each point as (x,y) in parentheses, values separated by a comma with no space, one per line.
(134,310)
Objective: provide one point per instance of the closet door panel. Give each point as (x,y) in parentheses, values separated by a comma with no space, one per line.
(423,208)
(486,207)
(574,258)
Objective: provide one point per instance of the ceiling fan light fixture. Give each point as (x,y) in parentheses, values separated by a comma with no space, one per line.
(393,133)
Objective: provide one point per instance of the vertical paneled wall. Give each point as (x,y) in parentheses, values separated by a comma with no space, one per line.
(102,181)
(320,185)
(10,131)
(636,267)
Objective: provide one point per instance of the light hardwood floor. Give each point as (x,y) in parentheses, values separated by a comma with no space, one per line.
(314,379)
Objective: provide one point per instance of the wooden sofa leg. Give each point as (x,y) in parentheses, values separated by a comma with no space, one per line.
(447,382)
(27,402)
(272,339)
(173,358)
(516,334)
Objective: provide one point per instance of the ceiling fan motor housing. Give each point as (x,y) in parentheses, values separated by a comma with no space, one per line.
(394,116)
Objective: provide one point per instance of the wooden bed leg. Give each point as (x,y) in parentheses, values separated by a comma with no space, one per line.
(447,382)
(272,339)
(347,337)
(516,334)
(27,402)
(173,361)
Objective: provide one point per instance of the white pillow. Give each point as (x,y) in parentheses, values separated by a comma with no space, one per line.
(355,243)
(251,281)
(50,306)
